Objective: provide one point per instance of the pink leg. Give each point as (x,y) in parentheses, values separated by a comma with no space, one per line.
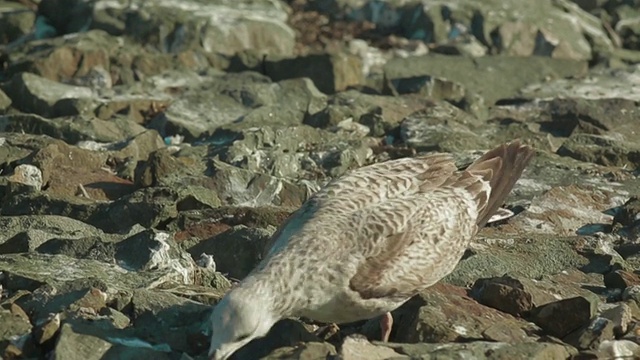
(385,325)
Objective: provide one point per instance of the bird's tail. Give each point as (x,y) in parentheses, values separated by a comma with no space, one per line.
(501,167)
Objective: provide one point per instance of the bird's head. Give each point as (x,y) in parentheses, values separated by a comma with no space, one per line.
(236,320)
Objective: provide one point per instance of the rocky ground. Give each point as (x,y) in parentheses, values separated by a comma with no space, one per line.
(149,149)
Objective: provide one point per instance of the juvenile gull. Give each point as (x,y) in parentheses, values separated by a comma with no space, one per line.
(367,242)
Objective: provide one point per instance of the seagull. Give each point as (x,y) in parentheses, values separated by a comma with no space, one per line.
(367,242)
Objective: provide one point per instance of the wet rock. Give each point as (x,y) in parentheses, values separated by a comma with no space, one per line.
(620,279)
(236,251)
(564,316)
(445,313)
(487,350)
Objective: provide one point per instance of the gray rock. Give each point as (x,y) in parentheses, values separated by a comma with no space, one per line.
(236,251)
(329,72)
(441,127)
(603,150)
(311,350)
(25,179)
(486,350)
(72,129)
(380,113)
(359,348)
(444,313)
(491,77)
(549,28)
(5,101)
(35,94)
(40,229)
(215,26)
(621,279)
(590,337)
(153,250)
(240,187)
(619,348)
(14,330)
(236,101)
(53,269)
(73,344)
(286,334)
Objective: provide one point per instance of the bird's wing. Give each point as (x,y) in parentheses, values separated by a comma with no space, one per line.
(365,187)
(411,243)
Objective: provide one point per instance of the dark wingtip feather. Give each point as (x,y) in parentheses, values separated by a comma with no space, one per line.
(513,159)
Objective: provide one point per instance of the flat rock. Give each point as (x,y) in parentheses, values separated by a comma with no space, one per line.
(39,229)
(215,26)
(54,269)
(32,93)
(242,100)
(359,348)
(329,72)
(491,77)
(73,129)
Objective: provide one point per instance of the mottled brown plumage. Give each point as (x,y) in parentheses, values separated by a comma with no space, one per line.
(368,241)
